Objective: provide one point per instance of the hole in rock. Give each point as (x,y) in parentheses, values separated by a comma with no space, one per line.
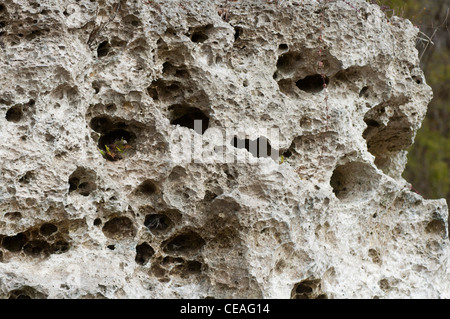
(147,188)
(112,247)
(13,215)
(60,247)
(26,292)
(312,83)
(143,253)
(15,243)
(363,92)
(258,148)
(237,33)
(288,62)
(308,289)
(283,46)
(82,181)
(103,49)
(25,179)
(2,24)
(194,266)
(199,37)
(2,8)
(101,124)
(385,140)
(118,228)
(353,181)
(47,229)
(96,86)
(417,79)
(34,248)
(153,92)
(190,117)
(371,123)
(116,144)
(14,114)
(157,222)
(97,222)
(185,243)
(436,226)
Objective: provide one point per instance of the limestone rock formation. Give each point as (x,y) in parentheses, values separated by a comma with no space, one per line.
(226,149)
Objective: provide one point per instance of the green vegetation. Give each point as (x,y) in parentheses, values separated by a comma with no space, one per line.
(428,168)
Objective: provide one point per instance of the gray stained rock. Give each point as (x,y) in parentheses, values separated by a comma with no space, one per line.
(227,149)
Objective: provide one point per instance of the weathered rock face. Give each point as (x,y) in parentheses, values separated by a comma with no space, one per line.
(110,188)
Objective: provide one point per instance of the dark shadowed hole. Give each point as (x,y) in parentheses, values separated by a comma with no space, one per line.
(111,108)
(118,227)
(312,83)
(26,292)
(147,188)
(36,247)
(103,49)
(112,247)
(101,124)
(363,91)
(2,24)
(96,86)
(287,61)
(14,114)
(47,229)
(2,8)
(143,253)
(73,183)
(60,247)
(157,222)
(258,148)
(303,288)
(371,123)
(15,243)
(194,266)
(84,188)
(283,46)
(25,179)
(189,117)
(308,289)
(114,137)
(237,33)
(185,243)
(199,37)
(352,180)
(97,222)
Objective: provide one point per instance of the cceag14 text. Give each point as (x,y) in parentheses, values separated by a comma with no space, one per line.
(230,308)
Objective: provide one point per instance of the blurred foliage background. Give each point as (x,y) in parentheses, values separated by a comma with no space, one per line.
(428,168)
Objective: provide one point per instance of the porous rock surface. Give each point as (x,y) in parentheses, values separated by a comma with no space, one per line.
(327,215)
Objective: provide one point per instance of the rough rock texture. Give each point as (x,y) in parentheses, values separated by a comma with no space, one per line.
(327,215)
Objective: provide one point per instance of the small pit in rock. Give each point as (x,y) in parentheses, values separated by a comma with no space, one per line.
(143,253)
(82,181)
(185,243)
(14,114)
(47,229)
(103,49)
(308,289)
(146,188)
(117,139)
(312,83)
(157,222)
(353,181)
(15,243)
(119,228)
